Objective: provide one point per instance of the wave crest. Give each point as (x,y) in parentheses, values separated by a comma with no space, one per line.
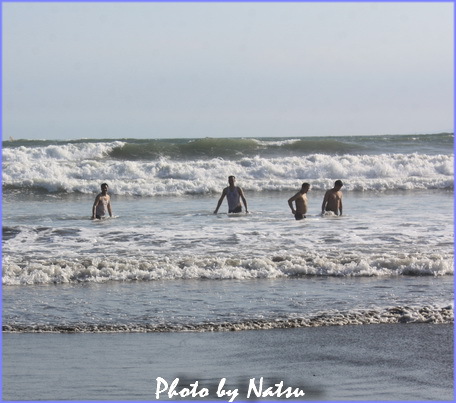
(166,177)
(18,271)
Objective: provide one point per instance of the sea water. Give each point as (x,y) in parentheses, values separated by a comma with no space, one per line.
(165,262)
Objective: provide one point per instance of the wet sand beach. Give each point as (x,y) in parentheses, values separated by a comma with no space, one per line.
(368,362)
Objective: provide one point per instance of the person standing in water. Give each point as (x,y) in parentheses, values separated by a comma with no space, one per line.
(233,194)
(333,199)
(300,200)
(102,204)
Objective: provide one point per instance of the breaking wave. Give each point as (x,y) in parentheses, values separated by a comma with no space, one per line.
(19,271)
(81,167)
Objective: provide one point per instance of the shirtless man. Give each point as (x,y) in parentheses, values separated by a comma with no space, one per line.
(102,204)
(233,195)
(333,199)
(300,200)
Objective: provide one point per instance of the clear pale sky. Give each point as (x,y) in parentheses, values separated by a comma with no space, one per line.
(170,70)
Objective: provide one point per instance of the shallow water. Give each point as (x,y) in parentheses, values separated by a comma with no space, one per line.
(173,264)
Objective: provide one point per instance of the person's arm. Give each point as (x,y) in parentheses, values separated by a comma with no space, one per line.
(220,201)
(290,202)
(325,201)
(241,193)
(109,208)
(340,205)
(94,208)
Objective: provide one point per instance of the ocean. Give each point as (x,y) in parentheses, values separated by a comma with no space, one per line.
(166,266)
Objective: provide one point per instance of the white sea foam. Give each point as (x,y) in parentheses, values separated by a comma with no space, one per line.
(18,271)
(81,167)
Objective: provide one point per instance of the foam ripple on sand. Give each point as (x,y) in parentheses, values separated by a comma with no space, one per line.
(391,315)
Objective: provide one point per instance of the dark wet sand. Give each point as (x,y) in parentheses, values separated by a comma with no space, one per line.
(368,362)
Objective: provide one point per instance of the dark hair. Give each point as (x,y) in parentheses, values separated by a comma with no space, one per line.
(104,184)
(305,184)
(338,183)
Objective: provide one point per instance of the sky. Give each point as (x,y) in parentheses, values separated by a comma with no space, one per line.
(209,69)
